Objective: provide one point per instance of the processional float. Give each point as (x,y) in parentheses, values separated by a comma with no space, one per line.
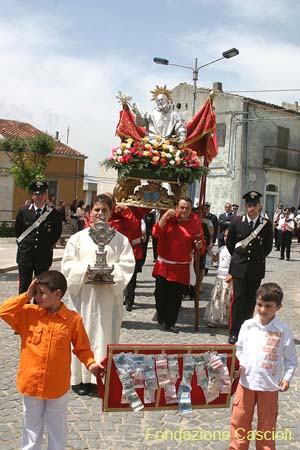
(145,161)
(165,151)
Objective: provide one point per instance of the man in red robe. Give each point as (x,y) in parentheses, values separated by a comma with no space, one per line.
(128,222)
(178,234)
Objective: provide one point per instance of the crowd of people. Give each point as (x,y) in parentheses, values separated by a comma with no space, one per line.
(187,243)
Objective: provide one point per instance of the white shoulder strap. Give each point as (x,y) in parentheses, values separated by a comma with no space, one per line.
(251,236)
(35,225)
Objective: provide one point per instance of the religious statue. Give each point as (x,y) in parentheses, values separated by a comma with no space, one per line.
(162,120)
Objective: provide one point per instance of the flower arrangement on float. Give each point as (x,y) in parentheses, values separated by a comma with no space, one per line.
(164,159)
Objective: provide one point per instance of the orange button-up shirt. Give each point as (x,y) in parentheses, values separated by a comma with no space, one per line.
(45,362)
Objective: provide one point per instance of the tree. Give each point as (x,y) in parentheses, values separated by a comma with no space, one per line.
(29,158)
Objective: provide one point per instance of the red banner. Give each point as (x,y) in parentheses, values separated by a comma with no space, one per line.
(127,128)
(201,132)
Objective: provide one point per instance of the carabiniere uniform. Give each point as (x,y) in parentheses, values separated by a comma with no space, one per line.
(247,266)
(35,251)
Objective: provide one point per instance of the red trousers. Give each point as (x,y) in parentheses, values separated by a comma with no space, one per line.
(242,416)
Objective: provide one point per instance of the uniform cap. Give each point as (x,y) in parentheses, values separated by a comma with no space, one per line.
(252,197)
(38,187)
(234,205)
(206,204)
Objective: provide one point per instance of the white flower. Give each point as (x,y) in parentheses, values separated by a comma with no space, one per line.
(119,151)
(168,155)
(171,148)
(128,145)
(178,153)
(126,152)
(172,162)
(119,158)
(177,158)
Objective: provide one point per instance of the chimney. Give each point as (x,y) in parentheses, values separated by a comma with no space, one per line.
(217,86)
(57,135)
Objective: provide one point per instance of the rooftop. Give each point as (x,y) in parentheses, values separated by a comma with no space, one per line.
(16,129)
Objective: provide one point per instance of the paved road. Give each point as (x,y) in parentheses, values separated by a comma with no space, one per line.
(89,428)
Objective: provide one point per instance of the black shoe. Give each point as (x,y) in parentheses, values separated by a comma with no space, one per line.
(281,258)
(288,259)
(82,388)
(129,307)
(232,339)
(172,329)
(93,390)
(75,387)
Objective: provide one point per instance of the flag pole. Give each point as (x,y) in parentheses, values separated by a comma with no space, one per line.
(197,252)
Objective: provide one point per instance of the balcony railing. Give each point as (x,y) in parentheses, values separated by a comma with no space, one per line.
(282,158)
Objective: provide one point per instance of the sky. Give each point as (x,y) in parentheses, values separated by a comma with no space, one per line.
(64,61)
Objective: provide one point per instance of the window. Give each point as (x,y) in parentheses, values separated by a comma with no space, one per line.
(283,137)
(271,188)
(221,134)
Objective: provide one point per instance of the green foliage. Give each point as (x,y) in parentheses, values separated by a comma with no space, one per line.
(6,230)
(29,158)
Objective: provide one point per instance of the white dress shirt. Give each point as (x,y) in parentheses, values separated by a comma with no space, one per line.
(267,352)
(284,225)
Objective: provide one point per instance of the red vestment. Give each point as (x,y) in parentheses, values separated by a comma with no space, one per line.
(176,244)
(129,225)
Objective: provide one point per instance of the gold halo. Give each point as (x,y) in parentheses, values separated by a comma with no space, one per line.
(161,90)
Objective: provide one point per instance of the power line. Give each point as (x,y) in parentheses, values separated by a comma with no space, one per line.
(268,90)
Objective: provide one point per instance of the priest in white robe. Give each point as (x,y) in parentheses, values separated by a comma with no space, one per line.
(100,305)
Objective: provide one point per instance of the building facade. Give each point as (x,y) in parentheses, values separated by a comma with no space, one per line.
(259,148)
(64,172)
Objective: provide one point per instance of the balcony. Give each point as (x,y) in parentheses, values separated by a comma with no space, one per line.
(281,158)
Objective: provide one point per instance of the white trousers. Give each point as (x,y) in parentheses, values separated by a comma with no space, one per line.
(38,412)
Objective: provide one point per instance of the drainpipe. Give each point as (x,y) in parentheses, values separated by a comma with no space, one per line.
(76,179)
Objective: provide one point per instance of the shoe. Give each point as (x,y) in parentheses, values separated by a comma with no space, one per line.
(281,258)
(172,329)
(288,259)
(93,390)
(232,339)
(129,308)
(75,387)
(82,388)
(187,298)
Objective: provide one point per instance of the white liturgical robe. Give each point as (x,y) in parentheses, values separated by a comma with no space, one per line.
(100,305)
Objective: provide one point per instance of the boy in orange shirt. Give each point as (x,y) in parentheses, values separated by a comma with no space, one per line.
(47,330)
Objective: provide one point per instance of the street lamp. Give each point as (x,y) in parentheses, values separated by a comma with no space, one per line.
(225,55)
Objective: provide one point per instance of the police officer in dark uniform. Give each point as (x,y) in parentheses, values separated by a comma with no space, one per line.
(249,241)
(35,249)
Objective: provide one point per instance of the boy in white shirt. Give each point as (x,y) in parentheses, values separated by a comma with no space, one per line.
(267,356)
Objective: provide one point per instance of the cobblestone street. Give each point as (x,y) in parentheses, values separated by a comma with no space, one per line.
(90,428)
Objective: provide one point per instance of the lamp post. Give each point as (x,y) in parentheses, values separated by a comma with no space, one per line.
(225,55)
